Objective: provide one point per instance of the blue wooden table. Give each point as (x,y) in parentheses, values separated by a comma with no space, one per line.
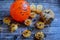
(52,32)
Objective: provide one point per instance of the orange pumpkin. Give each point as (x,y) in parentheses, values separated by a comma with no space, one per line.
(20,10)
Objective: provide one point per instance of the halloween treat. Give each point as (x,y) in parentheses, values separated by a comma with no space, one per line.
(28,22)
(33,15)
(49,16)
(40,25)
(28,15)
(33,7)
(7,20)
(26,33)
(13,27)
(39,8)
(39,35)
(20,10)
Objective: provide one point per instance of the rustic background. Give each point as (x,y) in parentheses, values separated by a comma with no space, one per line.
(52,32)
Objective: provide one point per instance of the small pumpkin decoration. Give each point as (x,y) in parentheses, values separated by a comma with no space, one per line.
(20,10)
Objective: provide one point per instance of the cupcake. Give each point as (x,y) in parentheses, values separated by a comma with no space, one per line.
(7,20)
(28,22)
(33,15)
(49,15)
(39,8)
(40,25)
(39,35)
(33,7)
(13,27)
(26,33)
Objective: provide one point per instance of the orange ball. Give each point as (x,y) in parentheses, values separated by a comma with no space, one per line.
(20,10)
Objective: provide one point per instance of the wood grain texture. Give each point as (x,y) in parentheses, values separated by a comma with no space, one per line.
(52,32)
